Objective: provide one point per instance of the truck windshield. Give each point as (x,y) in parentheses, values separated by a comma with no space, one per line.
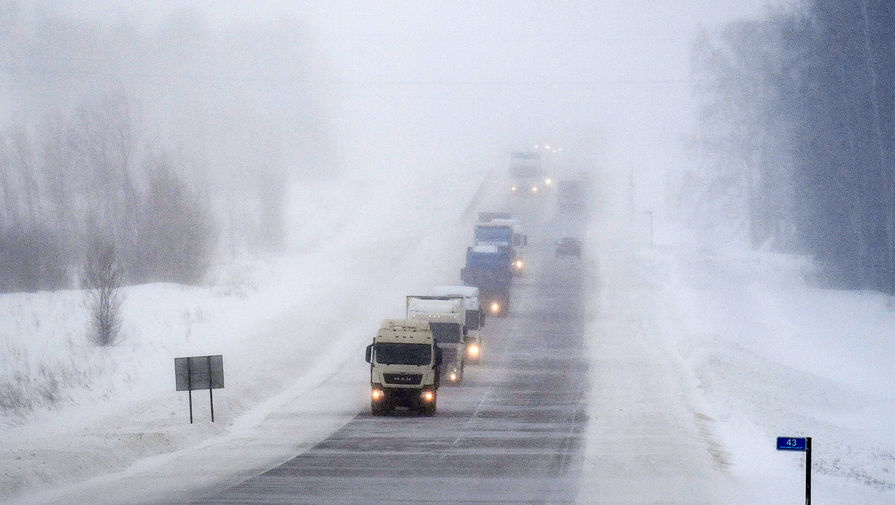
(472,319)
(488,261)
(525,171)
(446,333)
(494,234)
(403,354)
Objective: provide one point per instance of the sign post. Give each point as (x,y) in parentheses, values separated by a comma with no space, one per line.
(799,445)
(650,214)
(199,372)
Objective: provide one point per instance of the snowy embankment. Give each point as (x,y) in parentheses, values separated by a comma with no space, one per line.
(703,355)
(105,424)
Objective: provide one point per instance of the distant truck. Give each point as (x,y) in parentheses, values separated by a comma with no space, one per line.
(526,174)
(488,268)
(475,319)
(571,195)
(490,215)
(503,233)
(405,365)
(520,241)
(446,316)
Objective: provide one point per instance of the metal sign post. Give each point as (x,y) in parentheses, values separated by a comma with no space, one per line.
(800,445)
(189,382)
(199,372)
(650,214)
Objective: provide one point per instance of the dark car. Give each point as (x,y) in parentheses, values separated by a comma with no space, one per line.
(568,246)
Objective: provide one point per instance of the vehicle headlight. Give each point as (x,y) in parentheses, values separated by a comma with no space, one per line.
(548,181)
(495,307)
(377,394)
(513,188)
(534,189)
(427,396)
(474,350)
(518,264)
(453,376)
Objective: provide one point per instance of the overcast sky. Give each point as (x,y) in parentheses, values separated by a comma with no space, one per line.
(470,80)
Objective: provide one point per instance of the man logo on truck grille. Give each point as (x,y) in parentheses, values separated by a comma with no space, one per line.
(396,378)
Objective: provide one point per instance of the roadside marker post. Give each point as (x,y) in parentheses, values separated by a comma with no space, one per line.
(798,444)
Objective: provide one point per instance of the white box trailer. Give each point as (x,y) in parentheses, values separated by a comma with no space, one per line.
(446,316)
(475,317)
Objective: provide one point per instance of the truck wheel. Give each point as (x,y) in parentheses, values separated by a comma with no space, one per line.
(379,408)
(429,410)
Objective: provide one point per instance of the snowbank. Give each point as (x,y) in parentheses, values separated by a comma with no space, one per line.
(98,424)
(709,353)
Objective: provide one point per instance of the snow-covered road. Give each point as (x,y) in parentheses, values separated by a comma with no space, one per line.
(650,439)
(686,391)
(511,433)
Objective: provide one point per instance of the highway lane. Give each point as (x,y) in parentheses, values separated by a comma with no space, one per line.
(512,433)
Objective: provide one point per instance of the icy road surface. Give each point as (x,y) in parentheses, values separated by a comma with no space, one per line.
(511,433)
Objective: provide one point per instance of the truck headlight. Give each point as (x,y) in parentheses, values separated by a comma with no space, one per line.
(377,395)
(495,307)
(453,376)
(427,396)
(474,350)
(518,264)
(534,189)
(548,181)
(513,188)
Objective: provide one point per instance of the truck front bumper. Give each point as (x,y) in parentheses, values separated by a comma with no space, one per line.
(403,397)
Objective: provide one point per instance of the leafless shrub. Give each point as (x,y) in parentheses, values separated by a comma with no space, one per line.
(14,396)
(102,279)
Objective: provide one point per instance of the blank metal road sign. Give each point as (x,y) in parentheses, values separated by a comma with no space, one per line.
(199,372)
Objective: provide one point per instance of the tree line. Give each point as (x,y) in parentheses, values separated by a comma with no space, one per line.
(87,176)
(797,134)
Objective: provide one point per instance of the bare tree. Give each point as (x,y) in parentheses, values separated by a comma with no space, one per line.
(103,279)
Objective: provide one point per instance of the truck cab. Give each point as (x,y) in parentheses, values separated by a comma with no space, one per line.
(503,235)
(475,317)
(446,316)
(519,242)
(488,268)
(572,195)
(525,173)
(405,367)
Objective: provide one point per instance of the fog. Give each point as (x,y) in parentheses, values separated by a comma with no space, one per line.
(257,98)
(282,120)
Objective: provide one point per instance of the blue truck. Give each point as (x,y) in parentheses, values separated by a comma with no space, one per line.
(489,268)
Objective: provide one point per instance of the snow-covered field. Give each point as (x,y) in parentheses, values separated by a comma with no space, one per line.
(746,350)
(707,353)
(73,412)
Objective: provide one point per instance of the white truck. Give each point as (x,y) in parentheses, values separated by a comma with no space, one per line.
(446,316)
(405,367)
(526,173)
(475,317)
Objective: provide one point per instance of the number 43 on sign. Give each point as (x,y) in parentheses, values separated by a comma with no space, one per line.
(791,444)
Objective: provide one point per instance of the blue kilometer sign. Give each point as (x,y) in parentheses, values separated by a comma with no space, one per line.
(791,444)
